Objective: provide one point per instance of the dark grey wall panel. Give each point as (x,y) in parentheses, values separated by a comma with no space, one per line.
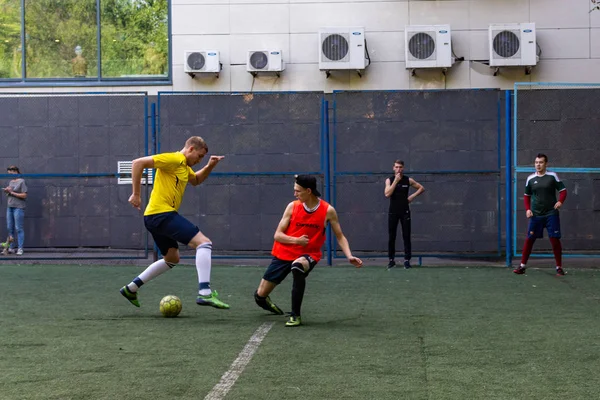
(447,131)
(280,132)
(67,134)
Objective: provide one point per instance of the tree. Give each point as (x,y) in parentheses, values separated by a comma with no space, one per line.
(10,39)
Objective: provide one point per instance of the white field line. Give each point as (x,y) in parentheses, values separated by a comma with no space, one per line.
(220,390)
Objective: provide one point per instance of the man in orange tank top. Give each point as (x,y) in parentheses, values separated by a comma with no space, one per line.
(299,238)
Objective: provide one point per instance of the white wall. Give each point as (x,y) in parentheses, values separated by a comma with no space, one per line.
(568,34)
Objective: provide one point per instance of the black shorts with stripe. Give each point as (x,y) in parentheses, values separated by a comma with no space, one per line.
(279,269)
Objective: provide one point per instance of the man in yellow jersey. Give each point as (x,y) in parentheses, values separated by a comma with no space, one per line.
(299,238)
(173,173)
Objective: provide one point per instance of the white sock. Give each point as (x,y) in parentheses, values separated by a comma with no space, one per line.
(155,269)
(522,265)
(203,265)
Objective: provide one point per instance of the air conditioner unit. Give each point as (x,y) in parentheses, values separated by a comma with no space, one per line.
(197,61)
(513,45)
(428,46)
(264,61)
(342,48)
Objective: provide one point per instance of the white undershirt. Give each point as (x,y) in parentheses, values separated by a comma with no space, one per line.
(310,210)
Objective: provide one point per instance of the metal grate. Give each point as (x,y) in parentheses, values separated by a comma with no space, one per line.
(124,171)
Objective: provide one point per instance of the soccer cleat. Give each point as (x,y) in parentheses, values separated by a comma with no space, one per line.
(293,321)
(407,264)
(267,304)
(560,271)
(391,264)
(273,307)
(519,270)
(132,297)
(211,300)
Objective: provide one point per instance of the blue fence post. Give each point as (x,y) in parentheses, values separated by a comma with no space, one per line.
(508,183)
(325,168)
(328,187)
(514,162)
(154,151)
(146,130)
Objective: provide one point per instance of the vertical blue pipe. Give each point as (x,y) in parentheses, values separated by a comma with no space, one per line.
(322,160)
(330,247)
(146,117)
(499,166)
(322,136)
(154,144)
(334,159)
(146,250)
(508,175)
(515,145)
(157,143)
(154,151)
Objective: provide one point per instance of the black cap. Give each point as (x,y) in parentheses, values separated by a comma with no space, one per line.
(308,182)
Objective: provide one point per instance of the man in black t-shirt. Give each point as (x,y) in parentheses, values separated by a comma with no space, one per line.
(396,189)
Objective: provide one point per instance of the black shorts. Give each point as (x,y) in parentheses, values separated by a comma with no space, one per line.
(279,269)
(169,228)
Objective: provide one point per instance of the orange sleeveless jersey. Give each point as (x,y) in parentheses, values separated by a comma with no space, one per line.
(304,223)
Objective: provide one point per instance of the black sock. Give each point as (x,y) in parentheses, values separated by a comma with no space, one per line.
(261,301)
(298,290)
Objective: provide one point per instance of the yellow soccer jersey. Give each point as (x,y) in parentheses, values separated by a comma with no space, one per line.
(171,178)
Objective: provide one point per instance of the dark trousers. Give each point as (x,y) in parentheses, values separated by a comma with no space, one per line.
(404,219)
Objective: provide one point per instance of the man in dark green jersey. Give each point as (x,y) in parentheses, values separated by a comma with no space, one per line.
(541,208)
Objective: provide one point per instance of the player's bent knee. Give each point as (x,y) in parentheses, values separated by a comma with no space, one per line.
(300,264)
(172,260)
(298,271)
(199,240)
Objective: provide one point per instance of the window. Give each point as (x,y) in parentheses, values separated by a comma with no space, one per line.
(84,40)
(10,39)
(134,38)
(60,39)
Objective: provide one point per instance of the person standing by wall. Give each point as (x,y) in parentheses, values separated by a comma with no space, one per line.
(16,191)
(541,208)
(396,189)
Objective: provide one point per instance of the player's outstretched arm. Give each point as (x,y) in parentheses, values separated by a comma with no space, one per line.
(332,217)
(137,168)
(202,174)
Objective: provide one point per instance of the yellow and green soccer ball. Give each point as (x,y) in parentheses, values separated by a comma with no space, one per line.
(170,306)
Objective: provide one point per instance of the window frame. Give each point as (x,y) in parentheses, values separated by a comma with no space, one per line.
(91,81)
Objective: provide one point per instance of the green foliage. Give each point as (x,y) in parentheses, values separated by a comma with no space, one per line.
(134,38)
(10,38)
